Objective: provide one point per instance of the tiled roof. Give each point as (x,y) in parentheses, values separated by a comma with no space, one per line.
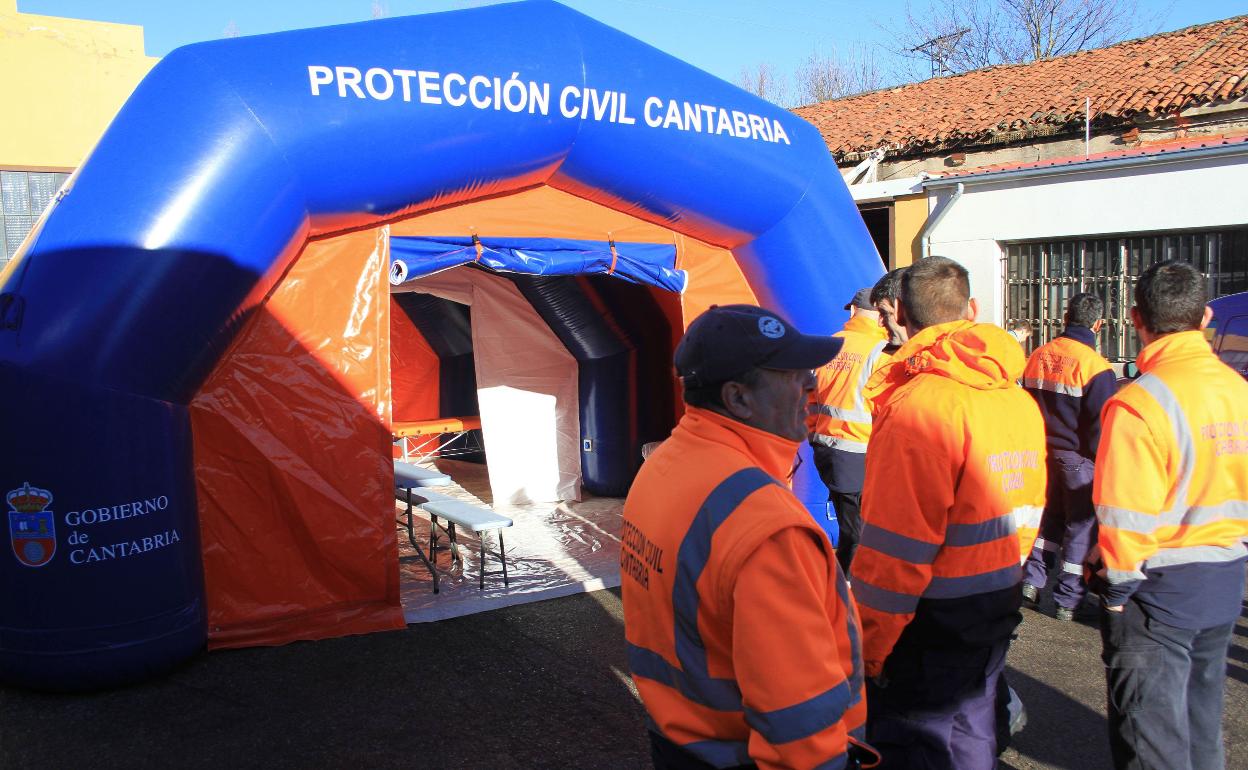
(1143,151)
(1151,76)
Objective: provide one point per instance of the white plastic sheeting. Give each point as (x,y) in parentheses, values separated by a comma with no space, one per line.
(526,388)
(553,550)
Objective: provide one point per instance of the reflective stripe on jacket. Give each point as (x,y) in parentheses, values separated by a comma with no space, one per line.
(839,416)
(954,487)
(1171,484)
(741,634)
(1071,382)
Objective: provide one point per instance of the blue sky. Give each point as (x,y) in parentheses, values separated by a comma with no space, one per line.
(720,36)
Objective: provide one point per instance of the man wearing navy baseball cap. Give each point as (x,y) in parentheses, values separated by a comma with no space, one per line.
(732,595)
(749,364)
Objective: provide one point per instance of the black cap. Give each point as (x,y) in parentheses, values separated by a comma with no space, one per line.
(862,299)
(727,341)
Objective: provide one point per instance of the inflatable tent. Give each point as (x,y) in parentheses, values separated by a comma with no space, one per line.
(206,316)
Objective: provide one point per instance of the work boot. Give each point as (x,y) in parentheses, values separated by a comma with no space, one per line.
(1031,594)
(1083,612)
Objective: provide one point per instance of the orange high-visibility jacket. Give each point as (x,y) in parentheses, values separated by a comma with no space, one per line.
(742,637)
(1171,486)
(839,415)
(954,489)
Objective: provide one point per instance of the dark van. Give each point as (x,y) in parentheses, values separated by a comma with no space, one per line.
(1228,331)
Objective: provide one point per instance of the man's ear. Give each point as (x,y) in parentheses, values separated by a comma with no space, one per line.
(1207,318)
(972,309)
(899,312)
(1096,327)
(737,401)
(1141,331)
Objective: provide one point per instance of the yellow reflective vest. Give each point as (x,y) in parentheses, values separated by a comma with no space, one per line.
(839,416)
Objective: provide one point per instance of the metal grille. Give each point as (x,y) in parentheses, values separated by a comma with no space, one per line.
(1041,276)
(23,197)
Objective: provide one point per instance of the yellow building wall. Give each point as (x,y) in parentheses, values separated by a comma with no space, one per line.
(61,82)
(909,217)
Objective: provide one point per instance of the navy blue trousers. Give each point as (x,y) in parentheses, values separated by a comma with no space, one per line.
(1067,529)
(849,518)
(935,709)
(1164,686)
(842,473)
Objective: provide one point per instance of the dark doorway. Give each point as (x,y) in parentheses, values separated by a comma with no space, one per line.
(879,221)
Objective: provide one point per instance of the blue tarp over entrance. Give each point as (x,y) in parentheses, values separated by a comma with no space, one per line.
(645,263)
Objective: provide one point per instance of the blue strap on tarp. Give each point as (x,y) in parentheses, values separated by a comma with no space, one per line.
(645,263)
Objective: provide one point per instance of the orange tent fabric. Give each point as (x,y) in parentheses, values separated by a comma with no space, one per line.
(303,400)
(413,370)
(300,405)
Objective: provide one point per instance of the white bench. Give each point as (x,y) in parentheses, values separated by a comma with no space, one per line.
(474,518)
(407,476)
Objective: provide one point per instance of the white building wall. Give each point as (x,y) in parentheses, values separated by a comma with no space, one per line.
(1177,194)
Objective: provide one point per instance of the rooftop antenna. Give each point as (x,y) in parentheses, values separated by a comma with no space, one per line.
(939,49)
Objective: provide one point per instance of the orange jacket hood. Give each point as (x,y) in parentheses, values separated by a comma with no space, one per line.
(980,356)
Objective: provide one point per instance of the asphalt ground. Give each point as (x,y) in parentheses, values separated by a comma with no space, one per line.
(537,685)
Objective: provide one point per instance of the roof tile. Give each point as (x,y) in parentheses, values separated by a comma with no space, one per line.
(1154,75)
(1166,147)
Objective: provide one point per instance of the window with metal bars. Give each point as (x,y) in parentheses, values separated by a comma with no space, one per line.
(23,197)
(1040,276)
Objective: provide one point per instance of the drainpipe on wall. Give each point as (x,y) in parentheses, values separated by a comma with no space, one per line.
(934,222)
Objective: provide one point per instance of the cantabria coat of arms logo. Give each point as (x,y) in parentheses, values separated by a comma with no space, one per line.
(32,527)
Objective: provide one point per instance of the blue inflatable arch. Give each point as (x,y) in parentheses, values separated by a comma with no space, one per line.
(227,158)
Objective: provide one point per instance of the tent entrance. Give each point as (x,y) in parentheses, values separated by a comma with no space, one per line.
(433,376)
(594,348)
(564,351)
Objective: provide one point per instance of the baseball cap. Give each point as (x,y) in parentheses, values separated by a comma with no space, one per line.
(862,299)
(728,340)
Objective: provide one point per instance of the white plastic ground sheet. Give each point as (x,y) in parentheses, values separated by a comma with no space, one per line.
(553,550)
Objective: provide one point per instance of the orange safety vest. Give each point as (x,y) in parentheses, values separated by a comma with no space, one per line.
(742,637)
(839,416)
(1171,484)
(1063,366)
(1071,382)
(955,479)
